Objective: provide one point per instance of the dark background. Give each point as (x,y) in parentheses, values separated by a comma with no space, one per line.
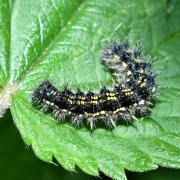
(18,162)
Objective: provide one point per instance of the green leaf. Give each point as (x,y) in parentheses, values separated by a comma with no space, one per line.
(62,41)
(4,41)
(29,166)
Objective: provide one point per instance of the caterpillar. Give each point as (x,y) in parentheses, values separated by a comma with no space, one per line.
(131,96)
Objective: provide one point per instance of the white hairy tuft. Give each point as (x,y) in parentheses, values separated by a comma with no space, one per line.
(6,95)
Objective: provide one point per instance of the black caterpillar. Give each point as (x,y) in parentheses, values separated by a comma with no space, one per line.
(131,96)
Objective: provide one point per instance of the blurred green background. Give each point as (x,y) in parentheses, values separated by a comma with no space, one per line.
(18,162)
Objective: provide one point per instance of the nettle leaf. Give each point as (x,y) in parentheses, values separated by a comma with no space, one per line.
(62,41)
